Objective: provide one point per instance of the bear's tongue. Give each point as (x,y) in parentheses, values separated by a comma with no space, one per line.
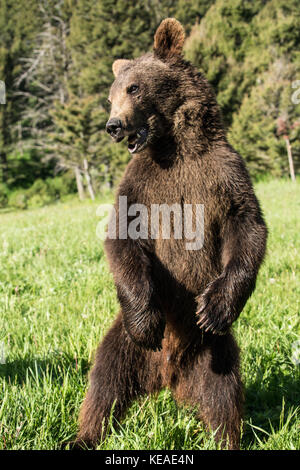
(136,140)
(132,143)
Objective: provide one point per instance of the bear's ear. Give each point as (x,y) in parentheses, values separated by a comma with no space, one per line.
(118,65)
(168,39)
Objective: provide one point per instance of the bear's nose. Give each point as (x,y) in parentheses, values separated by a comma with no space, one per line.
(114,127)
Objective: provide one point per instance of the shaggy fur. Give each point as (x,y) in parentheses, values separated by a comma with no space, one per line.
(177,305)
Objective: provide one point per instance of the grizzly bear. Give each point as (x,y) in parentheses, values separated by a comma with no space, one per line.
(177,302)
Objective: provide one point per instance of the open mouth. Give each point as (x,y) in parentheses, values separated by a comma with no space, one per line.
(136,141)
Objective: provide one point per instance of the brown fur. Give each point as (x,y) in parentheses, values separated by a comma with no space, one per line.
(177,305)
(169,39)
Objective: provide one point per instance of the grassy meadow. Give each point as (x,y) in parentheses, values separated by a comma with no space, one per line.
(57,300)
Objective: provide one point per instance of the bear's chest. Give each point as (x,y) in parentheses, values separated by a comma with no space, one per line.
(185,181)
(182,211)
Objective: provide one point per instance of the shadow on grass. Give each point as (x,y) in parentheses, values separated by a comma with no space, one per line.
(266,403)
(53,368)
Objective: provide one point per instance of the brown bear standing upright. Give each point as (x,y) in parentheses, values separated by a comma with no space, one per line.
(177,304)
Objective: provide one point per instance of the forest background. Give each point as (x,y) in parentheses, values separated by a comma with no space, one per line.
(55,73)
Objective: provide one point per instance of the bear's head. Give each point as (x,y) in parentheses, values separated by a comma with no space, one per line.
(149,91)
(143,95)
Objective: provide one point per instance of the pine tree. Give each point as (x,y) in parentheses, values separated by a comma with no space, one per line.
(250,53)
(254,131)
(19,22)
(77,123)
(43,78)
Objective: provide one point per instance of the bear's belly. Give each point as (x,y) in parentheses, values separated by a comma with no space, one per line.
(180,275)
(192,269)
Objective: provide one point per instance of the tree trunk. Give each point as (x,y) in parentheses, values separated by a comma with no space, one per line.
(80,188)
(2,93)
(3,166)
(88,179)
(108,178)
(290,157)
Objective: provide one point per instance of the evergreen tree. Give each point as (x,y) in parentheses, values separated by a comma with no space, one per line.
(254,131)
(43,78)
(252,62)
(56,58)
(19,22)
(77,123)
(219,46)
(100,32)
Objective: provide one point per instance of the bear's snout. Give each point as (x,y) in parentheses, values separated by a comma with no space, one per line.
(114,128)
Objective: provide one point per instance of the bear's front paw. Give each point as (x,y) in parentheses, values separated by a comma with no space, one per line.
(145,329)
(214,309)
(142,317)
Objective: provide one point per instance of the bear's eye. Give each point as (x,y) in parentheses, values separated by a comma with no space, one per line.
(132,89)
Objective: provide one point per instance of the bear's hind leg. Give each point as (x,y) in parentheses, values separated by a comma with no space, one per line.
(211,381)
(119,375)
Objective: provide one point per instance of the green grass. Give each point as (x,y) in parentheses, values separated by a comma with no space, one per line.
(57,300)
